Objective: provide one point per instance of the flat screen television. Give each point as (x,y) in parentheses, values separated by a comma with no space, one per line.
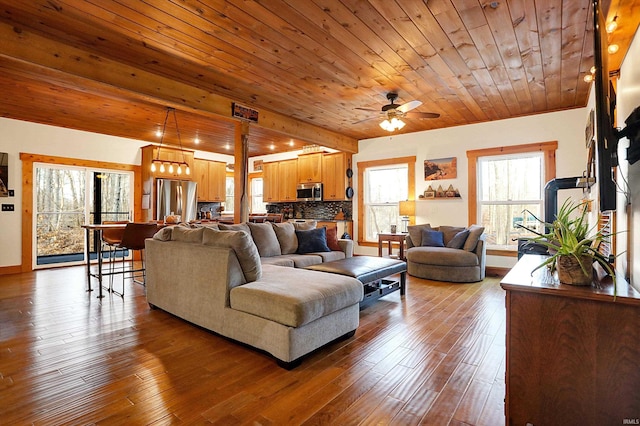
(606,139)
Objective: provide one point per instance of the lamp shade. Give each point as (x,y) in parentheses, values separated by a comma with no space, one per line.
(407,208)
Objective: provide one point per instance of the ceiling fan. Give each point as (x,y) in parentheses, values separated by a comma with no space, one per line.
(393,113)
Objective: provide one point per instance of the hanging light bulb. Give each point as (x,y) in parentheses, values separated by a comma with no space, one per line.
(179,170)
(170,167)
(613,25)
(187,171)
(153,166)
(588,78)
(613,48)
(162,168)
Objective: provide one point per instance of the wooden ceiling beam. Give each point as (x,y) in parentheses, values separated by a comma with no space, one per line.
(87,70)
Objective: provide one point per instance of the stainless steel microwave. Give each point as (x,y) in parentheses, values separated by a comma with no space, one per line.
(309,192)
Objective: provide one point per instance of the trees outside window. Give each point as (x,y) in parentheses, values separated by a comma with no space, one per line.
(384,183)
(506,182)
(510,187)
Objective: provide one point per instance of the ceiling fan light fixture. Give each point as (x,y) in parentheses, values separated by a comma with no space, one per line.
(393,124)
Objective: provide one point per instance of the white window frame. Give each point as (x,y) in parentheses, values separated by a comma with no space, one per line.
(508,202)
(410,162)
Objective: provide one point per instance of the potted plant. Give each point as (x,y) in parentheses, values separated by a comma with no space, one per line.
(572,244)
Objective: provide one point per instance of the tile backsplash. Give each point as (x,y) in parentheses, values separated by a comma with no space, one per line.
(313,209)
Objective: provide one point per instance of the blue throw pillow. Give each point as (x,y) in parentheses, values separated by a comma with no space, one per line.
(432,238)
(312,240)
(457,242)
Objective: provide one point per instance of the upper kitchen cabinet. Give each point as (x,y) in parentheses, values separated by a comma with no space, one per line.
(167,156)
(270,189)
(334,173)
(310,168)
(211,179)
(287,173)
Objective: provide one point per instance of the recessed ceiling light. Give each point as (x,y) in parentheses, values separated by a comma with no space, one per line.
(588,78)
(613,48)
(227,146)
(158,133)
(272,147)
(196,140)
(291,142)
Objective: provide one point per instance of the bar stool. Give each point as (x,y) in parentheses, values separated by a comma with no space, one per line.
(133,239)
(111,238)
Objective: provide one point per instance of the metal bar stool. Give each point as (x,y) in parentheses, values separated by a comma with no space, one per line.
(133,239)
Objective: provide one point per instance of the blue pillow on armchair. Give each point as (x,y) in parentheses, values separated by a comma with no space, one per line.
(432,238)
(312,240)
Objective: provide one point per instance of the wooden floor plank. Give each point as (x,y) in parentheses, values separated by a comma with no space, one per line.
(434,356)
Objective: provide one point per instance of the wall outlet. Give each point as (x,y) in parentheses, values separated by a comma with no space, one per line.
(7,207)
(11,193)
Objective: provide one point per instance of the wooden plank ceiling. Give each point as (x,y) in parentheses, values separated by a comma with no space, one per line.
(114,67)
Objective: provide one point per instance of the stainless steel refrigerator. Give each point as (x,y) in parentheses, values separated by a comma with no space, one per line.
(177,197)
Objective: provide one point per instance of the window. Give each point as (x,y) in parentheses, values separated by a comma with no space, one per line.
(228,201)
(509,195)
(385,183)
(66,197)
(509,190)
(257,203)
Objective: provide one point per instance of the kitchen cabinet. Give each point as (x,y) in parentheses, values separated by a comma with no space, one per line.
(270,188)
(287,184)
(211,178)
(571,351)
(310,168)
(334,176)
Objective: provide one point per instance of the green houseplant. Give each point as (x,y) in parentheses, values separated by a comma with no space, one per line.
(572,244)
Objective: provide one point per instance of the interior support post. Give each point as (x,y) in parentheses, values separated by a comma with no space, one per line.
(241,173)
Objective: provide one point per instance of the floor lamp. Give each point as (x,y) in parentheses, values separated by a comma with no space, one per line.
(406,209)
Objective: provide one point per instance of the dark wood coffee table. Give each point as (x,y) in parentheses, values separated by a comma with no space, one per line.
(372,272)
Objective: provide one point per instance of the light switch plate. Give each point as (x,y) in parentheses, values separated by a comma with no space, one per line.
(7,207)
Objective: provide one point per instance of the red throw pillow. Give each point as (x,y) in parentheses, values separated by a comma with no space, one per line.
(332,239)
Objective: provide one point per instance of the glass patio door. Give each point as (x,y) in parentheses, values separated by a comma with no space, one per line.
(65,198)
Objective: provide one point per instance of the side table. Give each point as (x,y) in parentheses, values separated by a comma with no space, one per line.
(390,238)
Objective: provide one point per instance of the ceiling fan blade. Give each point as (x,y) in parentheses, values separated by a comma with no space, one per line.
(409,106)
(368,109)
(422,115)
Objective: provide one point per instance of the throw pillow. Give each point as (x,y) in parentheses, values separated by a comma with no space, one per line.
(332,239)
(450,232)
(187,235)
(303,226)
(286,234)
(415,233)
(265,238)
(432,238)
(164,234)
(475,232)
(243,246)
(312,240)
(457,242)
(237,227)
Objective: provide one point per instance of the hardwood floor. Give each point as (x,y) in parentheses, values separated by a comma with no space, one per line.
(435,356)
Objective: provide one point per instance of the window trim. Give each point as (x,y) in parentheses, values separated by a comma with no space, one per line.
(549,156)
(411,188)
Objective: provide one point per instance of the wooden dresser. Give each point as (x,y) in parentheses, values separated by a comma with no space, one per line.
(572,353)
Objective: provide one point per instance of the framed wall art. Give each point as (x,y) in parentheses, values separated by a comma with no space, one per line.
(441,168)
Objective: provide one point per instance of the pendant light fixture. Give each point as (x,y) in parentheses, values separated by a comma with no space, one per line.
(157,163)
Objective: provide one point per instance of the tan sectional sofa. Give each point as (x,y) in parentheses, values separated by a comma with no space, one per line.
(215,279)
(461,257)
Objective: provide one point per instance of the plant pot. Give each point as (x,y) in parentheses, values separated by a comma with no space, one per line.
(570,271)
